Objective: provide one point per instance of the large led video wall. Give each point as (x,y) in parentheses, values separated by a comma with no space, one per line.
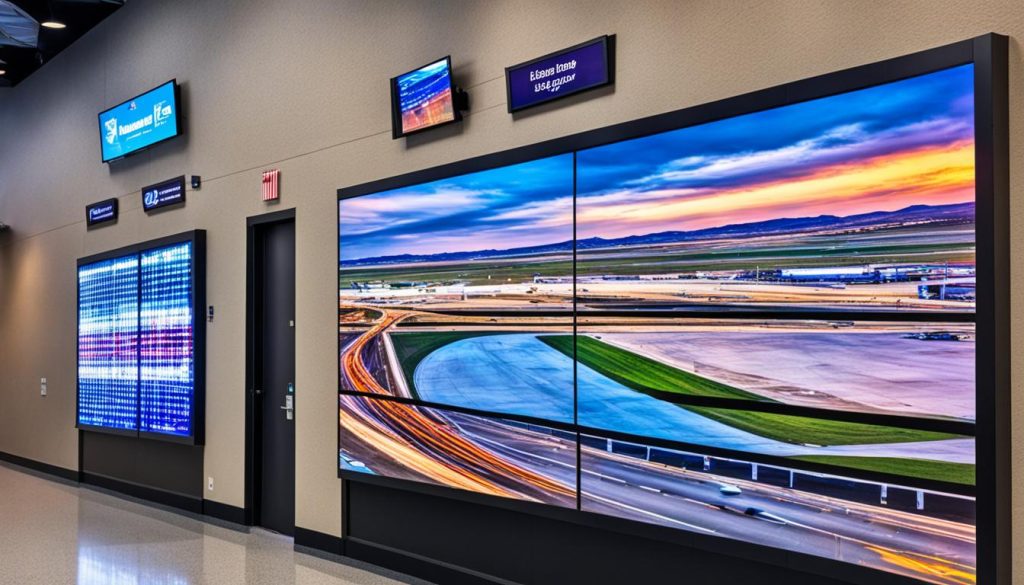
(759,328)
(137,342)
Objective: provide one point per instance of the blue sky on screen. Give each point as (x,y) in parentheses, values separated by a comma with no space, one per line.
(520,205)
(883,148)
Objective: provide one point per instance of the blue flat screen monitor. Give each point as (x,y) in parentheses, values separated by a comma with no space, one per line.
(423,98)
(140,122)
(137,341)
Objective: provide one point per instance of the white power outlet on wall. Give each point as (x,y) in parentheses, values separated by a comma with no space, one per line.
(42,386)
(209,483)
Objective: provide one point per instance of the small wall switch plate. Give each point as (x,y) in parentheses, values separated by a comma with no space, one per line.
(209,484)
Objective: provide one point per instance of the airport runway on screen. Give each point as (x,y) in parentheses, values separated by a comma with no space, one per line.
(463,373)
(534,380)
(904,375)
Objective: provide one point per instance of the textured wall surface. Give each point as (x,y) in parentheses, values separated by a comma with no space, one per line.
(302,86)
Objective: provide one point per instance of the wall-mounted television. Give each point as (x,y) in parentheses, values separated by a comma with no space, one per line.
(141,339)
(767,321)
(141,122)
(425,98)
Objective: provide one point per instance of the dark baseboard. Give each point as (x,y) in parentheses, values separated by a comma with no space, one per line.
(225,512)
(234,516)
(416,565)
(61,472)
(305,537)
(144,492)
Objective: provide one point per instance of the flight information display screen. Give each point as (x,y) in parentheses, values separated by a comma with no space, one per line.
(165,337)
(137,369)
(108,358)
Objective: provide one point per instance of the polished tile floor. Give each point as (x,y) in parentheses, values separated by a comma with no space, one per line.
(54,533)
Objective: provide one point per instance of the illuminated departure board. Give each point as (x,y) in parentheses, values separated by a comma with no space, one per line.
(165,337)
(137,339)
(108,364)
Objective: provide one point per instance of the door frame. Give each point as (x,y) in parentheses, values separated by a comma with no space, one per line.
(252,466)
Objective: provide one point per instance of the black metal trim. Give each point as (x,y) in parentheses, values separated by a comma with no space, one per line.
(145,492)
(938,425)
(47,468)
(328,543)
(225,512)
(994,466)
(734,312)
(410,563)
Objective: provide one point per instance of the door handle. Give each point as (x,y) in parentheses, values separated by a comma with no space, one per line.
(289,407)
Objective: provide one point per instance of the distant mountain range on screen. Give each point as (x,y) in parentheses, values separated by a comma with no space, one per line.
(915,214)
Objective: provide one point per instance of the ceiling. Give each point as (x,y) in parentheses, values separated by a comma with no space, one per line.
(25,46)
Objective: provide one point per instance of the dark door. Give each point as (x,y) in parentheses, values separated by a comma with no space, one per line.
(275,402)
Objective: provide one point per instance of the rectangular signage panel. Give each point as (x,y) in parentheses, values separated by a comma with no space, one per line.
(561,74)
(101,212)
(163,194)
(140,122)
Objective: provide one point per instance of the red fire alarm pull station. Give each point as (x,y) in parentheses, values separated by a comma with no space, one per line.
(271,184)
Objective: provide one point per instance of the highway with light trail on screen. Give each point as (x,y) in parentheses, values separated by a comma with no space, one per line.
(499,458)
(443,455)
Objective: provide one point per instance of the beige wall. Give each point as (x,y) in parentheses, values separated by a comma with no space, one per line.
(301,85)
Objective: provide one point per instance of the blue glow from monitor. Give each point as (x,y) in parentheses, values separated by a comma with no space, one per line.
(165,337)
(108,343)
(136,366)
(139,122)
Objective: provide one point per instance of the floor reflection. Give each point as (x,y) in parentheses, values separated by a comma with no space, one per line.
(52,532)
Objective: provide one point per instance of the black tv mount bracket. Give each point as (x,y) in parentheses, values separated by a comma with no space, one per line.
(460,99)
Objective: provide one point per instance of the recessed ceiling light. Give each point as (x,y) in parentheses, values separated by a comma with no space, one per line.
(2,72)
(53,24)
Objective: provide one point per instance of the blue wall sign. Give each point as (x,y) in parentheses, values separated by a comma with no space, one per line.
(140,122)
(168,192)
(586,66)
(101,212)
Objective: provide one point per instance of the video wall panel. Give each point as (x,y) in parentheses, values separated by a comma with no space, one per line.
(166,353)
(760,328)
(108,357)
(137,342)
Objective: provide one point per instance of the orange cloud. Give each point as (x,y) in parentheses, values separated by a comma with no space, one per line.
(932,176)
